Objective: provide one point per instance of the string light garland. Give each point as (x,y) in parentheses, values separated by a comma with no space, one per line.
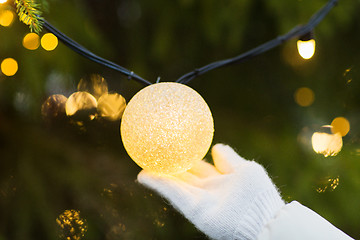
(296,32)
(89,55)
(37,22)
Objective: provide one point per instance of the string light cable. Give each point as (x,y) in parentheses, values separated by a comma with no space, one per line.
(30,14)
(76,47)
(296,32)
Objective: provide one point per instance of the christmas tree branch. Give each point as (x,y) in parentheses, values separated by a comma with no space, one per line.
(29,13)
(296,32)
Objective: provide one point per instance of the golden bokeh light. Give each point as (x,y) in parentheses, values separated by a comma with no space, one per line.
(327,144)
(330,183)
(49,41)
(167,127)
(31,41)
(304,96)
(116,231)
(54,107)
(94,84)
(80,101)
(3,1)
(111,106)
(306,49)
(340,125)
(6,18)
(71,225)
(9,67)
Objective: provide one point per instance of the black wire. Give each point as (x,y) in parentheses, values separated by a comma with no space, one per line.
(89,55)
(296,32)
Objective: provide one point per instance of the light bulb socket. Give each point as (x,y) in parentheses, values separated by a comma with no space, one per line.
(325,129)
(307,37)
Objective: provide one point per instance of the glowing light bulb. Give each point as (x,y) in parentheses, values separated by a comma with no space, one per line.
(327,143)
(306,49)
(9,66)
(49,41)
(167,127)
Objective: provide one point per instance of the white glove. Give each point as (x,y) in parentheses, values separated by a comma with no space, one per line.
(297,222)
(232,200)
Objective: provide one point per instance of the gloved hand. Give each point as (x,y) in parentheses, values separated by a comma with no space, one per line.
(232,200)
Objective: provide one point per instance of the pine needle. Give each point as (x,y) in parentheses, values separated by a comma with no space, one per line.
(29,13)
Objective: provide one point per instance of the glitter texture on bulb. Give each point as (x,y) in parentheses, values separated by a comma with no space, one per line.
(167,127)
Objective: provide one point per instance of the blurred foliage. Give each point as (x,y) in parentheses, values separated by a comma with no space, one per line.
(48,168)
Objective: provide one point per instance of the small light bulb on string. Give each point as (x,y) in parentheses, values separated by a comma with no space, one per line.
(306,46)
(167,127)
(326,142)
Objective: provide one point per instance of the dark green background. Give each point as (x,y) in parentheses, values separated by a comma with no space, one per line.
(47,169)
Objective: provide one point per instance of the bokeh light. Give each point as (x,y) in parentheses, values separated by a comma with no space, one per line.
(340,125)
(111,106)
(31,41)
(306,49)
(49,41)
(3,1)
(6,18)
(327,143)
(80,101)
(54,107)
(95,84)
(304,96)
(167,127)
(329,183)
(9,67)
(71,225)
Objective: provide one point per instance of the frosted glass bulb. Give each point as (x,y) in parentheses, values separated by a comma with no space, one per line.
(167,127)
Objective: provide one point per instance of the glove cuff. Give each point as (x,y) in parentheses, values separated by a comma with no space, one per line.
(263,208)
